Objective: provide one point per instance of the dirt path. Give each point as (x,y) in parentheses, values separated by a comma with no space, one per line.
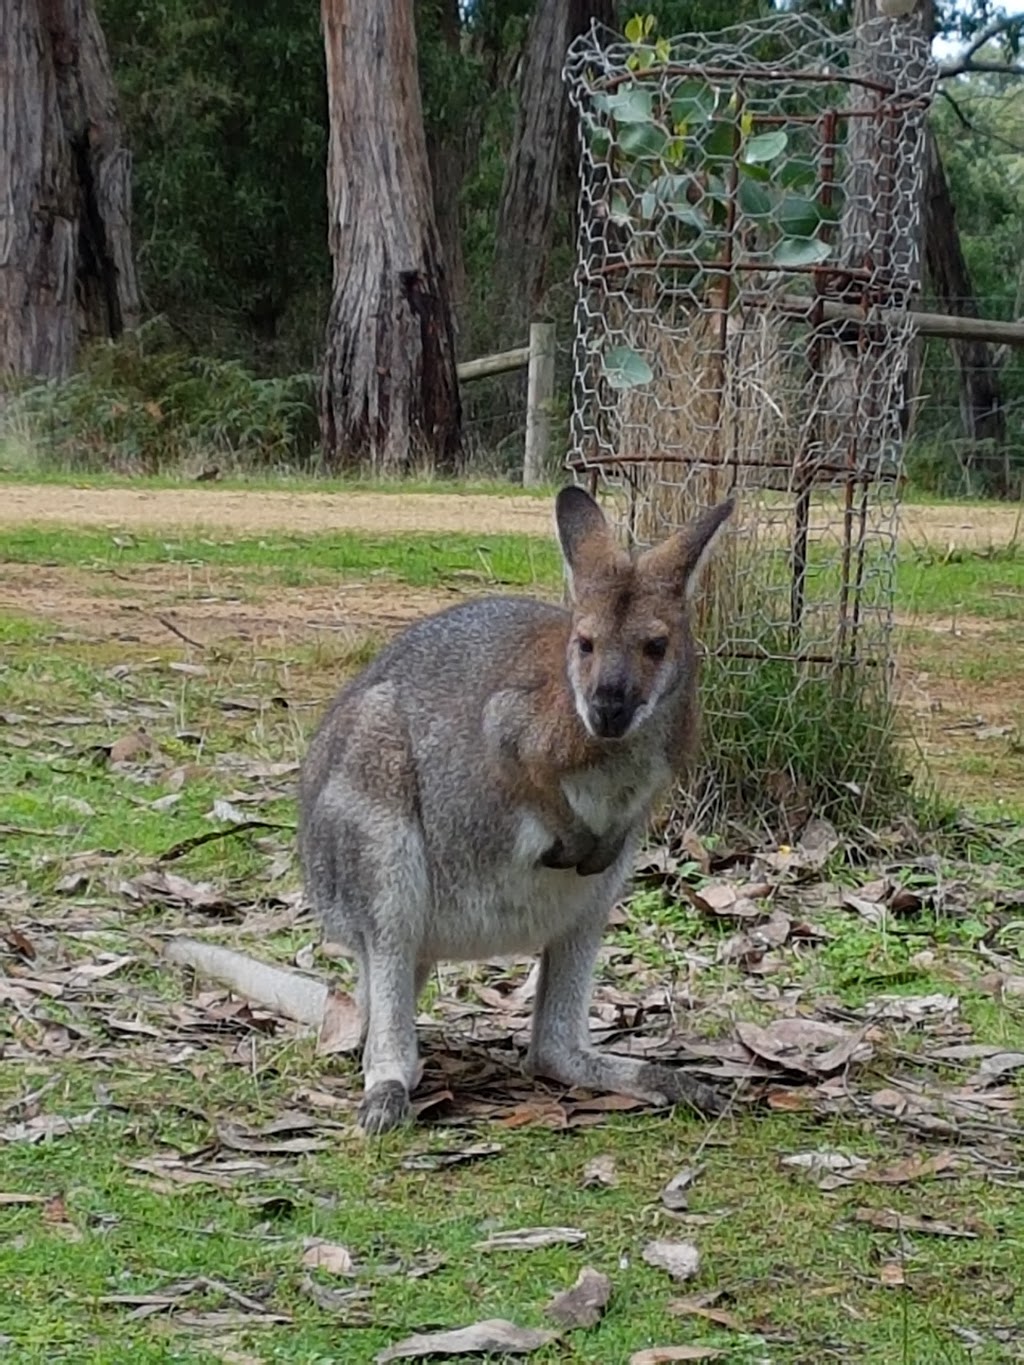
(244,513)
(240,512)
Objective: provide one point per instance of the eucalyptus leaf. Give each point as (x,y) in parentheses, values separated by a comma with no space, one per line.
(625,368)
(630,105)
(800,251)
(765,146)
(720,142)
(642,140)
(798,217)
(755,200)
(692,102)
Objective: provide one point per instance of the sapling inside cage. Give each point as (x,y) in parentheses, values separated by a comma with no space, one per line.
(748,252)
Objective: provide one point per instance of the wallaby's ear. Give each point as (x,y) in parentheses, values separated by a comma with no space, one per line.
(683,555)
(585,537)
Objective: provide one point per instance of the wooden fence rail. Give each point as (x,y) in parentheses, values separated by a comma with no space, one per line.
(538,359)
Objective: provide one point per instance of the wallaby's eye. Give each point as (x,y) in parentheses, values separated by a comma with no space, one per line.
(586,644)
(656,648)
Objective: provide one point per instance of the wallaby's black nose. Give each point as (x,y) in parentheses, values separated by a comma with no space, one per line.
(610,712)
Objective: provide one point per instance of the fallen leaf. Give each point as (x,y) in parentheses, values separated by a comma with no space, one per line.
(992,1068)
(910,1008)
(888,1220)
(330,1256)
(680,1259)
(239,1139)
(330,1300)
(806,1045)
(7,1200)
(663,1355)
(821,1161)
(458,1156)
(702,1306)
(45,1127)
(491,1337)
(584,1303)
(892,1275)
(529,1239)
(674,1194)
(341,1027)
(129,747)
(600,1171)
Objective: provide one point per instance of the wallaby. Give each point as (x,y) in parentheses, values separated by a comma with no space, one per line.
(482,786)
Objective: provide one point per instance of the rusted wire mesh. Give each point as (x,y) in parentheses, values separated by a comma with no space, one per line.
(748,249)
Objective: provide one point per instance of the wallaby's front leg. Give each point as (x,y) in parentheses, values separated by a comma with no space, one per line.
(560,1048)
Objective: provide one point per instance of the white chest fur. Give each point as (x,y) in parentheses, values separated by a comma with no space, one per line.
(606,799)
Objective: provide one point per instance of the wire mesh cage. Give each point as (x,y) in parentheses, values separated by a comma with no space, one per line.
(748,250)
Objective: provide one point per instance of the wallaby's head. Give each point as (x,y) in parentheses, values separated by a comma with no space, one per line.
(630,643)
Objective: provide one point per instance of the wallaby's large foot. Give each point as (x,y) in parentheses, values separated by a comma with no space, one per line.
(385,1106)
(661,1085)
(680,1087)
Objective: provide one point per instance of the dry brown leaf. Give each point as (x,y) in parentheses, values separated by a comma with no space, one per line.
(600,1171)
(44,1127)
(892,1275)
(993,1068)
(458,1156)
(7,1200)
(529,1239)
(330,1256)
(330,1300)
(495,1336)
(584,1303)
(680,1259)
(806,1045)
(341,1025)
(702,1306)
(663,1355)
(888,1220)
(129,748)
(675,1194)
(239,1139)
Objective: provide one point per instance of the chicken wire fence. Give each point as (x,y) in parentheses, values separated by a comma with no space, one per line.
(748,248)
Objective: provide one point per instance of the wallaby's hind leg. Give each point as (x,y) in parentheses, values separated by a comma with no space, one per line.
(390,983)
(560,1047)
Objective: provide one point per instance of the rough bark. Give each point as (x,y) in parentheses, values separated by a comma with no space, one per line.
(389,393)
(450,150)
(66,267)
(529,195)
(981,407)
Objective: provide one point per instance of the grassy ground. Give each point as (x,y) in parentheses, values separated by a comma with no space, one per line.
(174,1222)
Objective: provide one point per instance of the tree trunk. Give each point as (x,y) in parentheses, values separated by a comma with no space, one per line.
(389,392)
(66,265)
(450,147)
(529,195)
(981,407)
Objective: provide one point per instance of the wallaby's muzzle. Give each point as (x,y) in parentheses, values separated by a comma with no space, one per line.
(611,710)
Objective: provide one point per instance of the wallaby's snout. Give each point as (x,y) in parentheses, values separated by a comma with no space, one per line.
(630,645)
(613,707)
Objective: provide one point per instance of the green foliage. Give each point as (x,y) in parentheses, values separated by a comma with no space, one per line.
(144,404)
(225,112)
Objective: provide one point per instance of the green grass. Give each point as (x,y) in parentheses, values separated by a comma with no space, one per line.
(801,1276)
(419,560)
(13,470)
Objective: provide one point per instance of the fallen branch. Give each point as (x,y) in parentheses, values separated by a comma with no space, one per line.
(176,630)
(197,840)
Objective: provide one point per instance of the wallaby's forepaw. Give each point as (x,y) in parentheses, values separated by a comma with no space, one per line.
(601,857)
(384,1106)
(680,1087)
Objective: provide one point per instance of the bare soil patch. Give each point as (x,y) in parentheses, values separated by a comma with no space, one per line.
(241,512)
(246,513)
(211,608)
